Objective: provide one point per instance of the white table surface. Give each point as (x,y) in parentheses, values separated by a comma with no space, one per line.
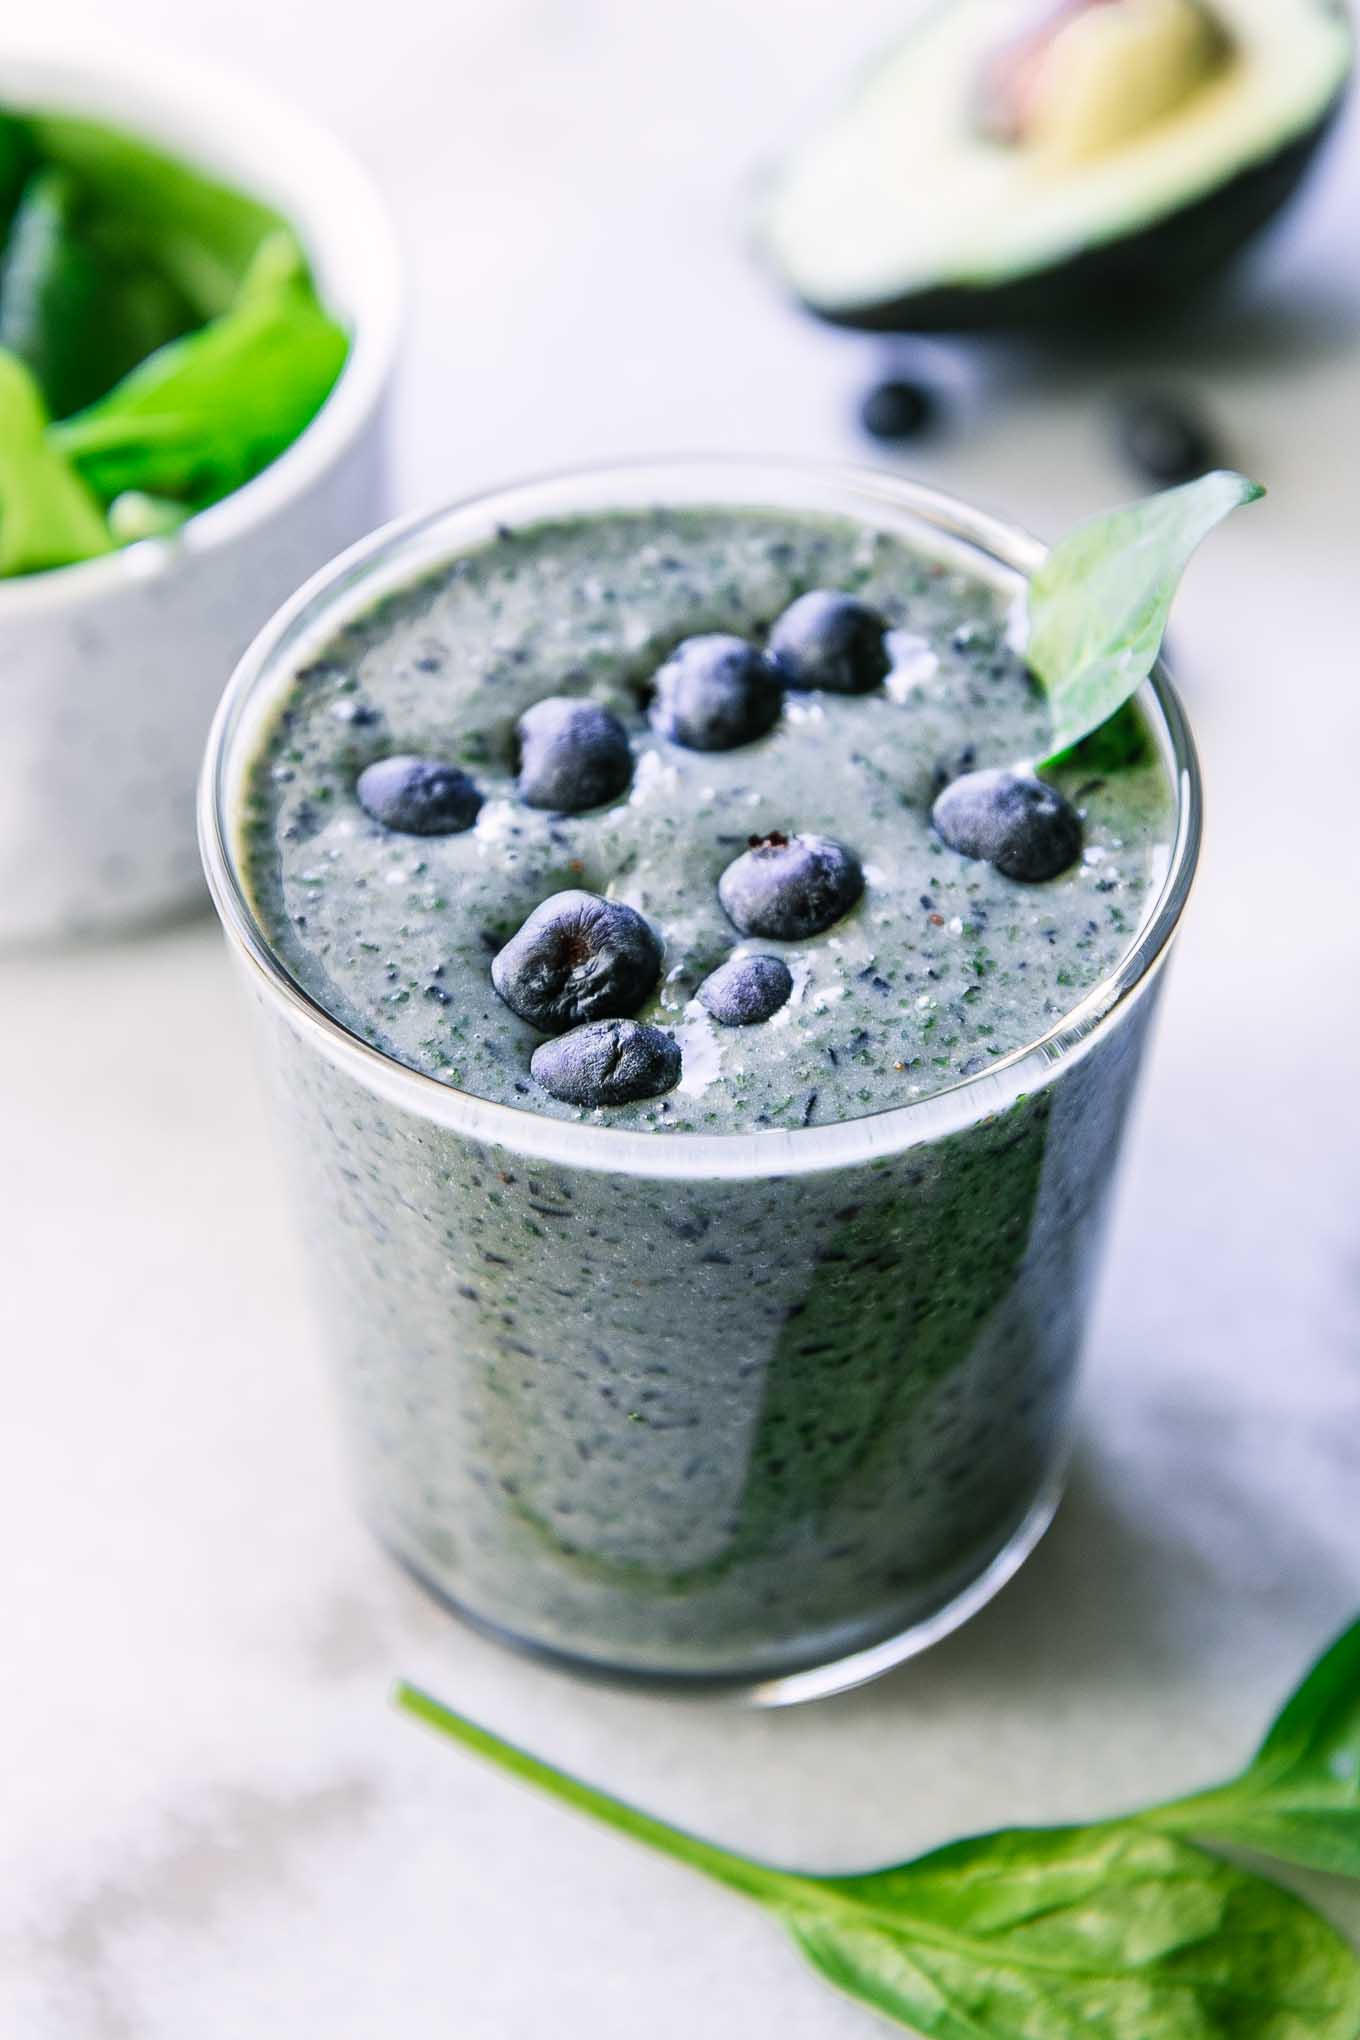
(211,1823)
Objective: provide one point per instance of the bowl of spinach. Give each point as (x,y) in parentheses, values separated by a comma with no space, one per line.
(198,319)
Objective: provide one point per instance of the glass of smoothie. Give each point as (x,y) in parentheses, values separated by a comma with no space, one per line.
(702,1157)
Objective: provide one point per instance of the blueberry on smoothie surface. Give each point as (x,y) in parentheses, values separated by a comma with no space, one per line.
(747,990)
(573,755)
(715,693)
(790,887)
(610,1062)
(418,796)
(577,958)
(1026,828)
(830,641)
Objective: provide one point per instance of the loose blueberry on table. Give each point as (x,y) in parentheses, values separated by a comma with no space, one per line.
(897,409)
(1164,440)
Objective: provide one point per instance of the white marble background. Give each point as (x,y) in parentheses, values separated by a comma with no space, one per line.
(211,1825)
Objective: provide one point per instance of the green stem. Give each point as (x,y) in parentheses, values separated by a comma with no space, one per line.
(1197,1813)
(754,1880)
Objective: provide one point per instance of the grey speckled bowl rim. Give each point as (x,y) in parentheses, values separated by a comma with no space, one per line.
(401,552)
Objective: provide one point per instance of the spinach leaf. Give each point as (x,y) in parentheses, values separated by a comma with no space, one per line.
(18,158)
(78,302)
(203,415)
(1084,1934)
(1299,1798)
(49,291)
(205,235)
(1096,1933)
(48,518)
(1098,605)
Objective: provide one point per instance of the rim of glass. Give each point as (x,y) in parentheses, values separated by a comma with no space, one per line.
(410,547)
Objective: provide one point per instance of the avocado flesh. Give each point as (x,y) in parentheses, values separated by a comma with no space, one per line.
(907,213)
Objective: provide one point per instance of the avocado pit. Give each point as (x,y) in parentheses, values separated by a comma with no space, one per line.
(1093,75)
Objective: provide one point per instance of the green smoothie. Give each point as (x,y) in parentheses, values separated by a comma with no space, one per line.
(688,832)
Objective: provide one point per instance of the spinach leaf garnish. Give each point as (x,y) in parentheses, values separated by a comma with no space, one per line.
(1080,1933)
(1098,605)
(1299,1797)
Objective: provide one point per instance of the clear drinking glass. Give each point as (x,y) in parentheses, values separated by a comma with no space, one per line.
(767,1411)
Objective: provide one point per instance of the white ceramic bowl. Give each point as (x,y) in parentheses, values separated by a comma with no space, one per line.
(110,670)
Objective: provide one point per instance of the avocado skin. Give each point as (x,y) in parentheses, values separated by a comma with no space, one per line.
(1118,284)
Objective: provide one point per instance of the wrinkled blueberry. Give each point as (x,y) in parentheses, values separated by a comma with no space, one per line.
(790,887)
(831,641)
(746,990)
(1023,827)
(609,1063)
(716,692)
(418,796)
(577,958)
(573,755)
(1164,440)
(897,409)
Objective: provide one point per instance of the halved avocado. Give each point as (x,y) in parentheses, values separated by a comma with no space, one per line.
(1097,162)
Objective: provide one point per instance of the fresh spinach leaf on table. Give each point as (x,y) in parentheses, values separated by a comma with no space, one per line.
(1108,1932)
(1299,1797)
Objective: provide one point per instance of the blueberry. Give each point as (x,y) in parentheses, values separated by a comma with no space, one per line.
(611,1062)
(418,796)
(1023,827)
(577,958)
(746,990)
(1165,441)
(831,641)
(716,692)
(789,888)
(897,409)
(573,755)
